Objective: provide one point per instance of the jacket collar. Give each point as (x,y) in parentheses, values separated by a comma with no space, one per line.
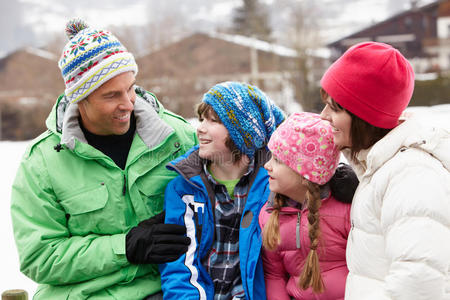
(412,133)
(324,194)
(191,165)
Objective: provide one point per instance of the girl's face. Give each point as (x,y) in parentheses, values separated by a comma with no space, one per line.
(283,180)
(341,122)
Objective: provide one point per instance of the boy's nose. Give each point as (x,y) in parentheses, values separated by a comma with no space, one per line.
(201,127)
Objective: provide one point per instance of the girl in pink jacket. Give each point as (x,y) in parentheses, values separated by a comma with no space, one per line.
(305,227)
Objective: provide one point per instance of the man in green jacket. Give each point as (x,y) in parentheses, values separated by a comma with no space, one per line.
(87,189)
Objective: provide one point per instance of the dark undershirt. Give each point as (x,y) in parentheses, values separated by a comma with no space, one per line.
(114,146)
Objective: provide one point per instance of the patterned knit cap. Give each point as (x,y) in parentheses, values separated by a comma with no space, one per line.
(248,114)
(304,142)
(90,58)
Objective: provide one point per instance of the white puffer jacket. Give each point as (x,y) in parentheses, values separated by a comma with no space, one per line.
(399,244)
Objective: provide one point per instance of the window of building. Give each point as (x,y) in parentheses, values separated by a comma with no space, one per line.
(408,22)
(425,23)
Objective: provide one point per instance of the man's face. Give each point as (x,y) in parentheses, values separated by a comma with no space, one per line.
(107,110)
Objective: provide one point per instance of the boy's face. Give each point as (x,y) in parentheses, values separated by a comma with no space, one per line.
(212,135)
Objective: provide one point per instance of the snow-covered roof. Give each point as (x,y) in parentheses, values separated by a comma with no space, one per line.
(425,76)
(269,47)
(41,53)
(255,43)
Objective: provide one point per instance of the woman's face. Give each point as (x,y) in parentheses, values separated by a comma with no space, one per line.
(341,122)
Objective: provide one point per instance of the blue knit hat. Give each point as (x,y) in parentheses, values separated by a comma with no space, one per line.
(90,58)
(248,114)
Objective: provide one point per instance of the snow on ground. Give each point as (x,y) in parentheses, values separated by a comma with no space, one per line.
(10,276)
(10,154)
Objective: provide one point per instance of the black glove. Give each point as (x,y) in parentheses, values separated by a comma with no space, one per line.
(153,242)
(343,184)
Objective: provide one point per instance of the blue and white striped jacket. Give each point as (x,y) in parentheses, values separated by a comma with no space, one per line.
(189,201)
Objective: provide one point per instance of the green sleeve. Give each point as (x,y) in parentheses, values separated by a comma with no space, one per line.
(47,252)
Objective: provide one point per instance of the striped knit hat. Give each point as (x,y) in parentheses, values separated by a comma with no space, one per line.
(90,58)
(248,114)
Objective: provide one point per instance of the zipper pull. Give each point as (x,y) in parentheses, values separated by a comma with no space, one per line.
(124,189)
(351,229)
(297,231)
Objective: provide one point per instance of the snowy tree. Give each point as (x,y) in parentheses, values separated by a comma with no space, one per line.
(252,19)
(300,28)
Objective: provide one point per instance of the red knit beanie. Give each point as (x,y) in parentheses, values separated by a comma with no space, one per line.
(374,81)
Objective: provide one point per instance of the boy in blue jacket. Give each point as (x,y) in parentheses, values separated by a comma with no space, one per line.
(218,194)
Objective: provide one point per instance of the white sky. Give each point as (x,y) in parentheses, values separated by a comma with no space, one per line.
(10,154)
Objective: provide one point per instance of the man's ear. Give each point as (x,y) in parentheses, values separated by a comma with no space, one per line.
(82,106)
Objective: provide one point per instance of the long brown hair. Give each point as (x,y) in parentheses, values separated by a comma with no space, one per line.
(362,134)
(310,276)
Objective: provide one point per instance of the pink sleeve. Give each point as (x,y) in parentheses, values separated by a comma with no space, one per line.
(275,276)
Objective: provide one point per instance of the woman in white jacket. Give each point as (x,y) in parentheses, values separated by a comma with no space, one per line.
(399,244)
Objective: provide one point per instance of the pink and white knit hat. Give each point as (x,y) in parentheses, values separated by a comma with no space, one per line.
(304,142)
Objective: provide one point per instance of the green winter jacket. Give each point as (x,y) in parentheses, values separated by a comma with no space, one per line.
(72,205)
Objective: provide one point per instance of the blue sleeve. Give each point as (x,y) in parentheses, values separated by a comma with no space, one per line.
(184,278)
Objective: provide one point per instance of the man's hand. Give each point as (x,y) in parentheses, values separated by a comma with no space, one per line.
(153,242)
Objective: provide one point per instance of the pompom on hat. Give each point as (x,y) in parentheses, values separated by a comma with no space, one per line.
(304,142)
(90,58)
(248,114)
(374,81)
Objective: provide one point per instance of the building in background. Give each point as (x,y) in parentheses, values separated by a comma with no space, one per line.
(179,74)
(182,72)
(30,81)
(422,34)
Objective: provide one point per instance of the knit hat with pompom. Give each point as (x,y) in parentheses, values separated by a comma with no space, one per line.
(90,58)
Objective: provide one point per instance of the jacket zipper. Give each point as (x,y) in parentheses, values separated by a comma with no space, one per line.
(124,189)
(297,230)
(351,229)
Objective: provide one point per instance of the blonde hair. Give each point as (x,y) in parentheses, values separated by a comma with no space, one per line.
(271,231)
(310,275)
